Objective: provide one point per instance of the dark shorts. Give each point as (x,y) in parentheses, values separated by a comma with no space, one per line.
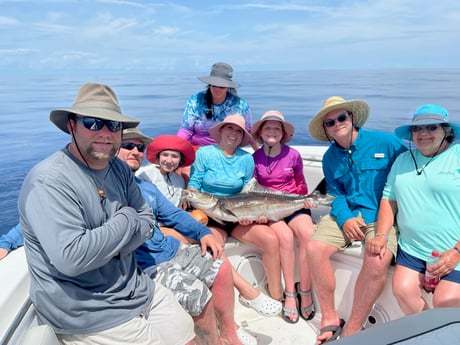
(409,261)
(296,213)
(227,226)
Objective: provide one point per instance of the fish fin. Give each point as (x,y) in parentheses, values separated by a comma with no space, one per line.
(255,187)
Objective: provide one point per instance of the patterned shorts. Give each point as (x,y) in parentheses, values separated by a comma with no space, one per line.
(189,276)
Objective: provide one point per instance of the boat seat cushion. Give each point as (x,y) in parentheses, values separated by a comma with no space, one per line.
(40,335)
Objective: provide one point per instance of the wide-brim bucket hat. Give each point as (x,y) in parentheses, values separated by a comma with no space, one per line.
(93,100)
(221,75)
(135,133)
(234,119)
(273,115)
(359,108)
(427,114)
(174,143)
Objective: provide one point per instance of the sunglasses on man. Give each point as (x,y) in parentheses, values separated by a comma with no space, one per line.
(127,145)
(95,124)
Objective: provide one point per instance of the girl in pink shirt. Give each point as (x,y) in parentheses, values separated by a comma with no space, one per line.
(280,167)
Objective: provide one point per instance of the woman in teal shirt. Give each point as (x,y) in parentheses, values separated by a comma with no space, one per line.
(223,170)
(423,192)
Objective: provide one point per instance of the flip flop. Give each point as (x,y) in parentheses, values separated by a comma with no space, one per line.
(308,310)
(335,329)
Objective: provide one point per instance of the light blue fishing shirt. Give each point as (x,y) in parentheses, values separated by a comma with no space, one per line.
(428,204)
(356,177)
(214,173)
(195,126)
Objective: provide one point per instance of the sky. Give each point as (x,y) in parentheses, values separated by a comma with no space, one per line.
(186,36)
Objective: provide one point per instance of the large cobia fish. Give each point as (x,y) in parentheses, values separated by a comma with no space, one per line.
(253,202)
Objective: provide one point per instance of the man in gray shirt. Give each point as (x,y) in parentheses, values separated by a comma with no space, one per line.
(82,216)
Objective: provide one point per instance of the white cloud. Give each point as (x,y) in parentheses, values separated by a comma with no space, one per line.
(7,20)
(166,30)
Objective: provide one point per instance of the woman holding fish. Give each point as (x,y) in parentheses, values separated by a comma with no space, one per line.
(279,167)
(223,170)
(168,153)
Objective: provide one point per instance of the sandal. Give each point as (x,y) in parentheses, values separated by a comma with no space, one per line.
(309,310)
(262,304)
(336,331)
(245,337)
(289,311)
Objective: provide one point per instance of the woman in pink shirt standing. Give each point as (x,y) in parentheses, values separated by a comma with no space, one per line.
(280,167)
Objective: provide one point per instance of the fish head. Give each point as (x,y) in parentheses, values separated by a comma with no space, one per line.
(199,200)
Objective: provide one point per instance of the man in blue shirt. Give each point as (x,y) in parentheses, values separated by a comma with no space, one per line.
(197,275)
(355,168)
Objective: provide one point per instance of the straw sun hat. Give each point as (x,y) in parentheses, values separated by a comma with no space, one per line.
(174,143)
(427,114)
(235,119)
(93,100)
(273,115)
(221,75)
(359,108)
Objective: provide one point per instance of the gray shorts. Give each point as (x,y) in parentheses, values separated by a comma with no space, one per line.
(328,231)
(189,276)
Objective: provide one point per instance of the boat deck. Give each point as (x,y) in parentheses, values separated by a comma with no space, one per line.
(274,330)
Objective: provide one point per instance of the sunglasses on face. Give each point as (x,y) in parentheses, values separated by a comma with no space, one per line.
(340,118)
(95,124)
(130,146)
(429,128)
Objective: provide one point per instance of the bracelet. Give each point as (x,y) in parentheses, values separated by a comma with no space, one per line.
(382,234)
(456,249)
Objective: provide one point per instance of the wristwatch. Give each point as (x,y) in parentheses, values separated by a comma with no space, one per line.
(457,249)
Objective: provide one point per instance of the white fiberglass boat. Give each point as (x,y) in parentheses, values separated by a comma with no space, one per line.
(18,323)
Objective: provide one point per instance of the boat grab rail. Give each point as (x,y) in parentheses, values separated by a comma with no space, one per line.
(16,322)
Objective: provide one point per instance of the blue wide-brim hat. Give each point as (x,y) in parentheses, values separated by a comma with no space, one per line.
(427,114)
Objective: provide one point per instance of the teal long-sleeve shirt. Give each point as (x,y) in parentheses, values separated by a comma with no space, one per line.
(356,177)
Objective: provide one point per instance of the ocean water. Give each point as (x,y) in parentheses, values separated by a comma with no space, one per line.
(27,135)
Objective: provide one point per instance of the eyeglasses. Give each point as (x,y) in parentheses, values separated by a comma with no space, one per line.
(340,118)
(429,128)
(130,146)
(95,124)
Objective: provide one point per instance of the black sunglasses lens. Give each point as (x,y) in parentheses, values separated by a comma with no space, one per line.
(113,126)
(342,118)
(91,123)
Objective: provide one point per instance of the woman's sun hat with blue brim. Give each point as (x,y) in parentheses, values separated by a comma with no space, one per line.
(427,114)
